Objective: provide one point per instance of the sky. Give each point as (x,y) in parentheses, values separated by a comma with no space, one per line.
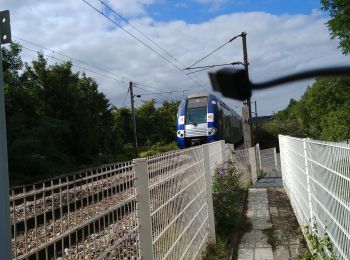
(150,42)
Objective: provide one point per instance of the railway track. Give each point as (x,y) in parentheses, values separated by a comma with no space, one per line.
(52,219)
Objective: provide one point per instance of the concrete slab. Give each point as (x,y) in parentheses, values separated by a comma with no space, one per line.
(263,253)
(246,254)
(275,232)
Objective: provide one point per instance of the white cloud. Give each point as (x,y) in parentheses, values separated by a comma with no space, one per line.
(130,8)
(277,45)
(212,4)
(316,12)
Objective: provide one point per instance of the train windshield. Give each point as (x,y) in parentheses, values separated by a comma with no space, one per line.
(196,112)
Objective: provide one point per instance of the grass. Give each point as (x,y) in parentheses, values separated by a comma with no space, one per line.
(157,149)
(271,237)
(217,251)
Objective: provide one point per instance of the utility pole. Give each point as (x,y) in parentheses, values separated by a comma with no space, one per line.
(256,118)
(5,226)
(136,148)
(245,59)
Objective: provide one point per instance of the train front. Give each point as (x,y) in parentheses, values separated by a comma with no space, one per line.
(195,121)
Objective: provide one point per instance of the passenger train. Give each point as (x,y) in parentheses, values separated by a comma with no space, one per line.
(204,118)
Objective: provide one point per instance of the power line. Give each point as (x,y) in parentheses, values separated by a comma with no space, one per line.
(69,57)
(132,35)
(216,65)
(143,43)
(85,69)
(201,68)
(232,39)
(164,92)
(139,31)
(95,72)
(78,60)
(137,86)
(127,92)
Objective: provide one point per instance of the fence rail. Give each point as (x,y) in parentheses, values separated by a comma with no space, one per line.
(159,207)
(316,176)
(100,213)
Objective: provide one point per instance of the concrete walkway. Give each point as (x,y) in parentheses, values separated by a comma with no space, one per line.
(275,232)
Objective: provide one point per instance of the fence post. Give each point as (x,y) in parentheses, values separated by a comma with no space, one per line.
(307,177)
(144,210)
(209,189)
(252,158)
(223,151)
(258,158)
(275,156)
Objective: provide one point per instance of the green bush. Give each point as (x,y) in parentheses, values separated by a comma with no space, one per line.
(229,194)
(229,191)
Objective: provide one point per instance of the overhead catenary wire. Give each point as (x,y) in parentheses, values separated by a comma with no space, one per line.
(126,95)
(138,86)
(83,68)
(133,36)
(202,68)
(98,73)
(139,31)
(75,59)
(145,44)
(75,65)
(70,57)
(217,65)
(163,92)
(218,48)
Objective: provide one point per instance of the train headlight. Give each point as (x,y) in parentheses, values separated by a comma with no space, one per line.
(180,133)
(212,131)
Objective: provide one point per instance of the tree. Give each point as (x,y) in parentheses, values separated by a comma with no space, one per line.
(57,120)
(322,113)
(339,24)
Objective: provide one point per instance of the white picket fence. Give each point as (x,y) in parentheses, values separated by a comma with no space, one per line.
(316,176)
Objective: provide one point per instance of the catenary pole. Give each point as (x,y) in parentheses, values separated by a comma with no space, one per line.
(5,230)
(136,149)
(256,118)
(245,59)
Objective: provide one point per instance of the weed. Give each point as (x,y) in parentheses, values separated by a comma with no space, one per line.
(229,195)
(271,237)
(320,245)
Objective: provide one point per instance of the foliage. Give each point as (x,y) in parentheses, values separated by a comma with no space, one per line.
(217,251)
(58,121)
(322,113)
(339,24)
(320,245)
(152,137)
(229,191)
(158,148)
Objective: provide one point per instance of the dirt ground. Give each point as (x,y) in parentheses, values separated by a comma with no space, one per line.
(285,235)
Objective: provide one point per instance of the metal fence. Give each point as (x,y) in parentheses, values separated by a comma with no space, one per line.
(316,176)
(179,212)
(74,216)
(159,208)
(268,160)
(156,208)
(248,162)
